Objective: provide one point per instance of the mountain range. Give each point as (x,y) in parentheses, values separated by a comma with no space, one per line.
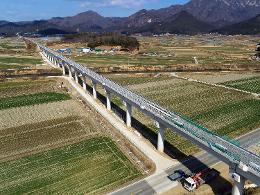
(250,27)
(196,16)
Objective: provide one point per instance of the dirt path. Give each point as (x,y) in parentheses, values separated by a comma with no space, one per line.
(216,85)
(218,77)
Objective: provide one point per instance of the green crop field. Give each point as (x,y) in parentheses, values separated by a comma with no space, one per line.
(13,55)
(14,88)
(19,60)
(12,44)
(249,84)
(7,45)
(32,99)
(215,107)
(8,66)
(24,83)
(56,146)
(226,112)
(15,62)
(92,166)
(39,136)
(29,92)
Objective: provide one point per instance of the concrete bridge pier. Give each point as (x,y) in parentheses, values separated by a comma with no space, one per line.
(128,114)
(63,69)
(94,85)
(84,83)
(76,77)
(60,63)
(160,141)
(239,183)
(70,72)
(109,96)
(238,187)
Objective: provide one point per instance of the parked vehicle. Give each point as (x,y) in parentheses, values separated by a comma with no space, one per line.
(177,175)
(199,179)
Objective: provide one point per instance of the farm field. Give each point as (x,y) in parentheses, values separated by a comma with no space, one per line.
(51,143)
(25,93)
(247,81)
(10,88)
(250,84)
(132,79)
(226,112)
(117,60)
(212,52)
(12,44)
(20,102)
(15,56)
(211,49)
(27,100)
(218,77)
(92,166)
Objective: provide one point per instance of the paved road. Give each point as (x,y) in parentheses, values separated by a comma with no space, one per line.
(159,183)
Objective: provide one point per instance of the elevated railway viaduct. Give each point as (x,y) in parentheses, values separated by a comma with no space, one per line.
(243,163)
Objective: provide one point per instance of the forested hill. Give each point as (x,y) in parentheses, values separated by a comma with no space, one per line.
(247,27)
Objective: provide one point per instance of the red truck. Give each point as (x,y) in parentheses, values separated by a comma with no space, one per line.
(198,179)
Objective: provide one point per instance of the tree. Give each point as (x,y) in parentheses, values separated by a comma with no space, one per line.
(107,38)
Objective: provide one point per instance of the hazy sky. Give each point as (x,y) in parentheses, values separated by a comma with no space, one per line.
(22,10)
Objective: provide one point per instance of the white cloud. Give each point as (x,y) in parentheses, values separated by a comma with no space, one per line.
(113,3)
(128,3)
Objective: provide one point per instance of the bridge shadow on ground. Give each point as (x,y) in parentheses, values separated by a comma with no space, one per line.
(219,185)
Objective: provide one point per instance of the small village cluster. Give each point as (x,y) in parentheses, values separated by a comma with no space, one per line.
(257,55)
(87,50)
(258,52)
